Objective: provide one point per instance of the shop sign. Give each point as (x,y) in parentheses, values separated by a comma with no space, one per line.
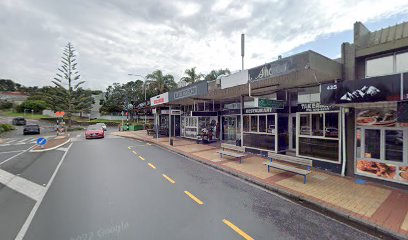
(259,110)
(375,89)
(272,69)
(160,99)
(315,107)
(204,114)
(230,112)
(154,110)
(269,103)
(197,89)
(175,112)
(165,111)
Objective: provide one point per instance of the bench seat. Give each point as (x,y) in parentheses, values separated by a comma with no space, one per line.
(231,154)
(290,159)
(288,168)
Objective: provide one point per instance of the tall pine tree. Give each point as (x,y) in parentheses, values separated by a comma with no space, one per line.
(69,96)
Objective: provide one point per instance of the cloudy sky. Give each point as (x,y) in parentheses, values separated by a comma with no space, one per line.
(117,37)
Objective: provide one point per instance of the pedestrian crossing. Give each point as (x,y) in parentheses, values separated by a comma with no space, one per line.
(19,141)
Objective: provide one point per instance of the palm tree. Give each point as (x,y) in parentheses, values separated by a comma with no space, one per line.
(160,83)
(192,76)
(216,73)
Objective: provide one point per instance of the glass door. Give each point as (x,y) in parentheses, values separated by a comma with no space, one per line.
(292,131)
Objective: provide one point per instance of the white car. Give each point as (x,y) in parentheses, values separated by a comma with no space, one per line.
(102,125)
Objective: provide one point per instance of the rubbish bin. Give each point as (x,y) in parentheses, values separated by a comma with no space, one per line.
(238,143)
(171,141)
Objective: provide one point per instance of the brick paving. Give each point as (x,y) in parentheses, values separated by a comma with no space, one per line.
(380,206)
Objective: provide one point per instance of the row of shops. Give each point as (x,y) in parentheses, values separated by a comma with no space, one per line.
(303,106)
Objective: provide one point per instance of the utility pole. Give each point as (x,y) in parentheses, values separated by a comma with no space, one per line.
(242,49)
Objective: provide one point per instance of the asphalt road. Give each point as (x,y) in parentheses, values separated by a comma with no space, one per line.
(103,190)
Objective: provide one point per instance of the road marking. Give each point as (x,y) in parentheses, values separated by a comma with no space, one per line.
(12,151)
(168,178)
(151,165)
(30,217)
(237,230)
(18,154)
(129,148)
(21,185)
(8,142)
(134,152)
(141,158)
(148,144)
(194,198)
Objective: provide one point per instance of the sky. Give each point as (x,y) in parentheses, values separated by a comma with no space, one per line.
(116,37)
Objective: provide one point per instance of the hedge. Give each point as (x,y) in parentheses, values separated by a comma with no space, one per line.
(6,127)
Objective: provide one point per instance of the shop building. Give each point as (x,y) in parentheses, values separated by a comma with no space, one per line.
(374,94)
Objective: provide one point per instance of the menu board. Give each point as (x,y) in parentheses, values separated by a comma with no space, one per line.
(380,117)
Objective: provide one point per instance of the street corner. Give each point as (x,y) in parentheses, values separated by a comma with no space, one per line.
(51,144)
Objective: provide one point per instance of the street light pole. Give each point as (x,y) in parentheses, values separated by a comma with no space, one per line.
(138,75)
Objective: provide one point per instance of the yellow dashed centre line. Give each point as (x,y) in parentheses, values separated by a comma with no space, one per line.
(134,152)
(194,198)
(141,158)
(168,178)
(129,148)
(237,230)
(151,165)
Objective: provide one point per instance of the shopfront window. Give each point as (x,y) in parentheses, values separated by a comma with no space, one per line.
(332,125)
(305,124)
(271,123)
(317,124)
(262,123)
(254,123)
(394,145)
(246,123)
(372,143)
(383,139)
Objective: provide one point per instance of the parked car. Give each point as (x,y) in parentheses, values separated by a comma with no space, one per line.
(103,125)
(94,131)
(19,121)
(31,129)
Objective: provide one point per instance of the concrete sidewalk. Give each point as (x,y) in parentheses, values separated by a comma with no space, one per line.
(378,207)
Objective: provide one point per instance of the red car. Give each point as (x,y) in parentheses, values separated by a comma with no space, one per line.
(94,131)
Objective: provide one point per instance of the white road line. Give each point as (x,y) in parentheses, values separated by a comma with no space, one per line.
(12,151)
(6,144)
(13,140)
(23,141)
(18,154)
(30,217)
(21,185)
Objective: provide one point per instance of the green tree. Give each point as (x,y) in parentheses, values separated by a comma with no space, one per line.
(159,83)
(36,105)
(68,83)
(192,76)
(216,73)
(7,85)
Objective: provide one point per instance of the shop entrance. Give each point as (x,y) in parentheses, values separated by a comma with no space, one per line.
(229,131)
(292,131)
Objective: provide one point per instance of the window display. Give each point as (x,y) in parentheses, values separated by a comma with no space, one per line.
(259,131)
(381,150)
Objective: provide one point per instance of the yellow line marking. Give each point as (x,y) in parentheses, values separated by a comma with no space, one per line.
(141,158)
(168,178)
(194,197)
(129,148)
(151,165)
(237,230)
(134,152)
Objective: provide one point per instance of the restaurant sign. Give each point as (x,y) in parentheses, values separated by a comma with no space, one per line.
(272,69)
(197,89)
(259,110)
(315,107)
(375,89)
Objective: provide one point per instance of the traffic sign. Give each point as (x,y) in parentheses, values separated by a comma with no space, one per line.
(41,141)
(60,114)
